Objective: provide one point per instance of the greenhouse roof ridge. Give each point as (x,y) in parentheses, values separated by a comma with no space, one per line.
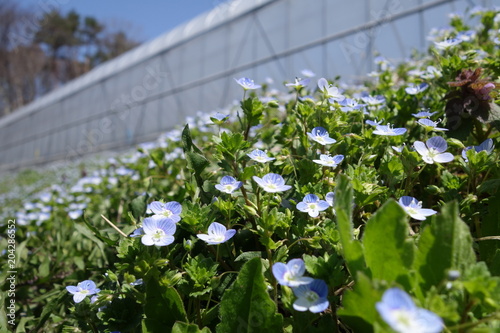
(221,14)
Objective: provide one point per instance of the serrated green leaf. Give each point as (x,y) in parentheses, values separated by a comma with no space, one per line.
(388,253)
(445,244)
(352,249)
(247,307)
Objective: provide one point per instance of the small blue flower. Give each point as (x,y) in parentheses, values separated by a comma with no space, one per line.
(82,290)
(329,161)
(412,89)
(307,73)
(389,130)
(433,150)
(260,156)
(299,83)
(170,210)
(320,135)
(374,123)
(312,205)
(423,114)
(375,101)
(290,274)
(350,105)
(312,297)
(217,234)
(137,232)
(399,311)
(158,231)
(272,183)
(430,125)
(219,118)
(228,184)
(331,92)
(247,83)
(486,146)
(330,198)
(447,43)
(413,207)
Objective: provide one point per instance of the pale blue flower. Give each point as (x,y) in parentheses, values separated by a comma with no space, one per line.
(330,198)
(373,100)
(299,83)
(399,311)
(466,36)
(486,146)
(433,150)
(349,104)
(321,136)
(82,290)
(329,161)
(137,232)
(272,183)
(158,231)
(170,210)
(413,207)
(447,43)
(312,205)
(290,274)
(308,73)
(260,156)
(430,125)
(217,234)
(374,122)
(228,184)
(423,114)
(331,92)
(312,297)
(413,89)
(389,130)
(219,118)
(247,83)
(431,73)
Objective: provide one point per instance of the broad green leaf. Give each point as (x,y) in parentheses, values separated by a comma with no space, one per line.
(489,250)
(247,307)
(359,305)
(352,249)
(139,205)
(180,327)
(445,244)
(388,253)
(162,309)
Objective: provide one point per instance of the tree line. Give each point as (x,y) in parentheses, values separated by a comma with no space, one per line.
(40,51)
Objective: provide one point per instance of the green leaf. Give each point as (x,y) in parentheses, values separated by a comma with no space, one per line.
(247,307)
(352,249)
(445,244)
(359,310)
(162,309)
(197,162)
(388,253)
(489,250)
(180,327)
(139,205)
(187,142)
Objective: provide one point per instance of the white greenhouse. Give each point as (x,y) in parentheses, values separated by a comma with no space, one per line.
(154,87)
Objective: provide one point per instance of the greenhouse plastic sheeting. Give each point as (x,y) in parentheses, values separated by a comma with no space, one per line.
(154,87)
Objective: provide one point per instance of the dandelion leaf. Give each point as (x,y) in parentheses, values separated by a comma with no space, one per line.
(162,309)
(351,248)
(388,252)
(445,244)
(247,307)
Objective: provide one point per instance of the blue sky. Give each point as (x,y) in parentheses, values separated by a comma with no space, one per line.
(146,19)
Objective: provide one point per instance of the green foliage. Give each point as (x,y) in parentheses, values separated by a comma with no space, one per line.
(247,307)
